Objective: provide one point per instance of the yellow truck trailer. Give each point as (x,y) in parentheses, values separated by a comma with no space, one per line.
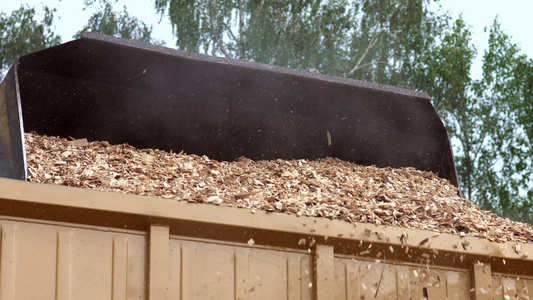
(70,243)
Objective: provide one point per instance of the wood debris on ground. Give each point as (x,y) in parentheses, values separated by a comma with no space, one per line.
(328,187)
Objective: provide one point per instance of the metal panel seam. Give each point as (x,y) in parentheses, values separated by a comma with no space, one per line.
(64,265)
(481,281)
(158,263)
(323,272)
(8,250)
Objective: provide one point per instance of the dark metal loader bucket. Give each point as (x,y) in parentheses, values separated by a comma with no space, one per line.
(105,88)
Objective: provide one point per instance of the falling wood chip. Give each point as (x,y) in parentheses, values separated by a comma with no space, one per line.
(423,242)
(328,187)
(242,195)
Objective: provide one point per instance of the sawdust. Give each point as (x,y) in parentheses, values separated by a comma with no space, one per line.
(328,187)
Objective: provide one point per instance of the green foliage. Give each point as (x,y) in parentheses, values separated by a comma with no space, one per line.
(394,39)
(368,39)
(21,33)
(504,93)
(524,85)
(485,118)
(447,70)
(119,24)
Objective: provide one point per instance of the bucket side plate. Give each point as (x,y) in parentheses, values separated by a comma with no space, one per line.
(12,153)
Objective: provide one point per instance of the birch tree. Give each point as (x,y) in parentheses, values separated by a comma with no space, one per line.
(22,33)
(371,40)
(120,24)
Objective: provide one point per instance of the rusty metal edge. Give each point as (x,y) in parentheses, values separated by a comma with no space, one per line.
(12,146)
(116,210)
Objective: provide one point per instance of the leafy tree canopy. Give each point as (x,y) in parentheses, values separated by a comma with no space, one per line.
(22,33)
(372,40)
(119,24)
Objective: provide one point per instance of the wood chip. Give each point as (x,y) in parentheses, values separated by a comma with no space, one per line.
(328,188)
(423,242)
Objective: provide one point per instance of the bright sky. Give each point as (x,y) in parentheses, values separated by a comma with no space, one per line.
(514,15)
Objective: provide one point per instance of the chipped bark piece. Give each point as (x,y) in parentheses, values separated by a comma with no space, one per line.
(403,239)
(214,199)
(246,195)
(517,249)
(271,199)
(465,244)
(423,242)
(328,188)
(79,143)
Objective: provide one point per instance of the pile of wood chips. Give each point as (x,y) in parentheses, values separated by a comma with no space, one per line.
(329,188)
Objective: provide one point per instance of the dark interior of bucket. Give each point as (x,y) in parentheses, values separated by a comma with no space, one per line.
(105,88)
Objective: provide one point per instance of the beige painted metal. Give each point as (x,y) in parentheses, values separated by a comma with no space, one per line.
(158,263)
(7,261)
(120,267)
(324,277)
(68,243)
(142,211)
(360,279)
(44,260)
(64,264)
(482,281)
(212,270)
(507,286)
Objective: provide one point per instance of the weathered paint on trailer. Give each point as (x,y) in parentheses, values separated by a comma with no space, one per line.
(71,243)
